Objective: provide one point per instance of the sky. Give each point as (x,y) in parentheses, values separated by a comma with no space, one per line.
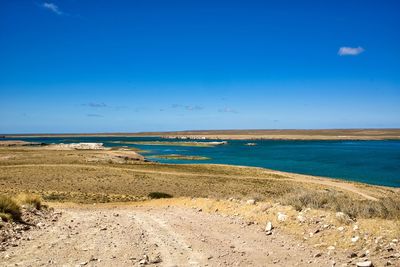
(125,66)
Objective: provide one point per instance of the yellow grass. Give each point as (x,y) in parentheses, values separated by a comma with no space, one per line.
(27,199)
(9,209)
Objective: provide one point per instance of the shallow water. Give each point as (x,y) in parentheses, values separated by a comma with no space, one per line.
(373,162)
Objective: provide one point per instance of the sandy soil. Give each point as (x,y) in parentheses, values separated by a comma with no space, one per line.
(162,236)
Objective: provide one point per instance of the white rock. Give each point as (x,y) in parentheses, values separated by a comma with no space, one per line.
(84,146)
(301,218)
(364,264)
(40,224)
(355,227)
(282,216)
(355,239)
(251,202)
(268,227)
(340,228)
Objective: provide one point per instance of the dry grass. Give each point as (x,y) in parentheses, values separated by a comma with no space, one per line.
(31,200)
(9,209)
(386,208)
(68,176)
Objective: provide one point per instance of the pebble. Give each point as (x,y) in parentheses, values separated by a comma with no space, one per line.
(301,218)
(251,202)
(364,264)
(282,216)
(268,227)
(352,255)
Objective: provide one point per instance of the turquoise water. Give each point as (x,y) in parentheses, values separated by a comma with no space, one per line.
(373,162)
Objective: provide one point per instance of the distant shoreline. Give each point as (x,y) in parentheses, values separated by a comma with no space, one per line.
(329,134)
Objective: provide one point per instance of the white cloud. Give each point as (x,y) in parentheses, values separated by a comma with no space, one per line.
(350,51)
(52,7)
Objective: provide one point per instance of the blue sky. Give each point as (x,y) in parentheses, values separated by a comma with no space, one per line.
(123,66)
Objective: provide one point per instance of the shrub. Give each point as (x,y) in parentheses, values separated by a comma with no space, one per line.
(157,195)
(30,200)
(386,208)
(9,209)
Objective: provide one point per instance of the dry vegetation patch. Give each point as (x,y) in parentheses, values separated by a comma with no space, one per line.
(9,209)
(69,176)
(386,208)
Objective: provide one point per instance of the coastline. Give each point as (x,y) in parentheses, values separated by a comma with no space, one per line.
(330,134)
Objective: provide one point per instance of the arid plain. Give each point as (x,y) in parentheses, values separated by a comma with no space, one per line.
(321,221)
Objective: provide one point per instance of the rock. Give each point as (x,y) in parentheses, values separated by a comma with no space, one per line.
(301,218)
(103,228)
(364,264)
(352,255)
(319,254)
(396,255)
(355,227)
(145,260)
(251,202)
(355,239)
(268,227)
(81,146)
(340,228)
(282,216)
(40,225)
(157,259)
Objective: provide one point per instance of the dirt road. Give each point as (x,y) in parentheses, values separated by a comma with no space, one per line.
(158,236)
